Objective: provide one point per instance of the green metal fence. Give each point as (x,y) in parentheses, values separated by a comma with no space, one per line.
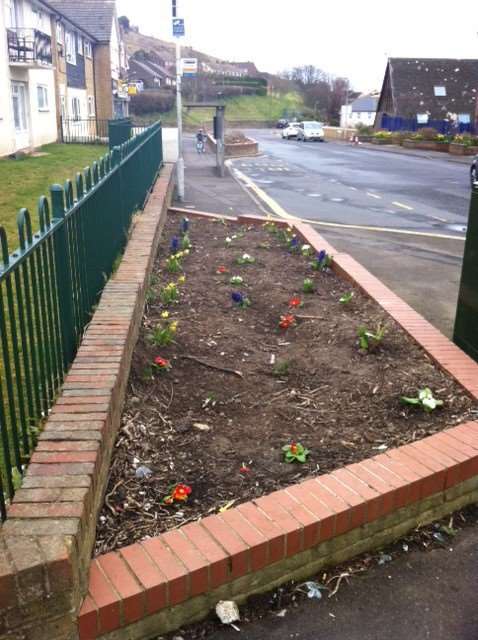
(49,286)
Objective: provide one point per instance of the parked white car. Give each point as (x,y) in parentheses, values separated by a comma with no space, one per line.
(290,131)
(309,131)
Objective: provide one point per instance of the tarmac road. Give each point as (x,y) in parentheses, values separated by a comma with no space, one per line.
(408,212)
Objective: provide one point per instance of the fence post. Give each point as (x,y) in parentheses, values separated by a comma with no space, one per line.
(63,277)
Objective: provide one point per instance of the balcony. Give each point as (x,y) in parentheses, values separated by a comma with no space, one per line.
(28,47)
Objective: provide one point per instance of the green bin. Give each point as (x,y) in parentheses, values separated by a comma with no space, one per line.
(119,131)
(466,322)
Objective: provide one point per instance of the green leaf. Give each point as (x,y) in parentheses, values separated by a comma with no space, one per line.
(413,401)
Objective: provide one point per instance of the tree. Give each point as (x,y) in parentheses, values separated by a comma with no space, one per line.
(322,92)
(124,23)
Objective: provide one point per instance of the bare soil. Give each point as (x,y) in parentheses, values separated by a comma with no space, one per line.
(221,433)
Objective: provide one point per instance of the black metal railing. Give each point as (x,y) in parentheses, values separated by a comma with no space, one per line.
(28,46)
(90,130)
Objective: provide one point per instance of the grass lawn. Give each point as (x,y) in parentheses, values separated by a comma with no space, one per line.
(23,181)
(243,108)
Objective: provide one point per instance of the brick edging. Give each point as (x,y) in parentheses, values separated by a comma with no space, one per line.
(159,584)
(47,540)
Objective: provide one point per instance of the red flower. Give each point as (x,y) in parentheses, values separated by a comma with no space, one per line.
(244,469)
(221,270)
(162,363)
(293,448)
(295,302)
(181,492)
(286,321)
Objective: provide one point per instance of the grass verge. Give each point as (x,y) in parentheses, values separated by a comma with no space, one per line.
(23,181)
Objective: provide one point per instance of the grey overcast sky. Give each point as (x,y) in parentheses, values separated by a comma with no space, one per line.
(349,37)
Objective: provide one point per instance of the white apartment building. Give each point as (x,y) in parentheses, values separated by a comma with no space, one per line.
(27,82)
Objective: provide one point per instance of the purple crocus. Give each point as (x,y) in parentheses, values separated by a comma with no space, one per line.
(174,245)
(184,227)
(237,297)
(321,256)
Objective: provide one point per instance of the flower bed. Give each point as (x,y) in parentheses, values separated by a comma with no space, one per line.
(239,388)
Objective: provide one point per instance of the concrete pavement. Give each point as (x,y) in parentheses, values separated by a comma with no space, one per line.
(417,596)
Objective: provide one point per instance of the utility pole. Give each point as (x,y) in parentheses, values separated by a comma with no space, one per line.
(179,107)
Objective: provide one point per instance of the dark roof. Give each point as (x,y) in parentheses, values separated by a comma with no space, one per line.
(411,82)
(94,16)
(365,103)
(146,66)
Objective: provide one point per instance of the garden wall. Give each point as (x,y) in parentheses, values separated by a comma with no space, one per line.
(249,147)
(159,584)
(47,540)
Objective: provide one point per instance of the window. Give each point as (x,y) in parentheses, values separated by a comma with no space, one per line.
(422,118)
(464,118)
(91,106)
(80,44)
(42,94)
(88,49)
(63,106)
(440,92)
(60,33)
(70,47)
(75,108)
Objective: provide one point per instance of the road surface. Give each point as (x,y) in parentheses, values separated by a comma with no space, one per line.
(404,217)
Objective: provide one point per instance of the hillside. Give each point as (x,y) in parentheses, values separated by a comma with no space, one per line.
(135,41)
(243,109)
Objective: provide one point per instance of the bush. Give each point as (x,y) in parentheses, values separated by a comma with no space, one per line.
(364,129)
(400,136)
(382,135)
(428,133)
(154,102)
(466,139)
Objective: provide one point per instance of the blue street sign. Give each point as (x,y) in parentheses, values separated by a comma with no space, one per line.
(178,27)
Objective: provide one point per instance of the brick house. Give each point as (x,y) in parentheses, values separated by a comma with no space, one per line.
(95,20)
(27,82)
(423,89)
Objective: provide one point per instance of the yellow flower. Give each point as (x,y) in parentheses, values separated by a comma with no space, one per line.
(182,279)
(165,314)
(173,327)
(185,252)
(171,285)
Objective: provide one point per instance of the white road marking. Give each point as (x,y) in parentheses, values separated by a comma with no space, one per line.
(438,218)
(403,206)
(374,195)
(353,188)
(314,195)
(336,199)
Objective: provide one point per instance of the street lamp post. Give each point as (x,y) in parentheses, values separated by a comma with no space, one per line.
(179,108)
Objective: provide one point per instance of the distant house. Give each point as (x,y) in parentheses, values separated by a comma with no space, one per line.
(362,110)
(98,19)
(27,82)
(421,90)
(153,75)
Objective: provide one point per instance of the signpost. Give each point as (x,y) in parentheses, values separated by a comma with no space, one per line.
(178,32)
(190,67)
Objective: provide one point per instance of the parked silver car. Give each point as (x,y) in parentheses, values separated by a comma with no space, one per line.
(311,131)
(474,171)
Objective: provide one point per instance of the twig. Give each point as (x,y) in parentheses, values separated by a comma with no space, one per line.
(301,317)
(212,366)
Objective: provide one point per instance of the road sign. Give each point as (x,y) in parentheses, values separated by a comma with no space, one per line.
(189,67)
(178,27)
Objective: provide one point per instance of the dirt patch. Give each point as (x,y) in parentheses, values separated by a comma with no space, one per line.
(220,432)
